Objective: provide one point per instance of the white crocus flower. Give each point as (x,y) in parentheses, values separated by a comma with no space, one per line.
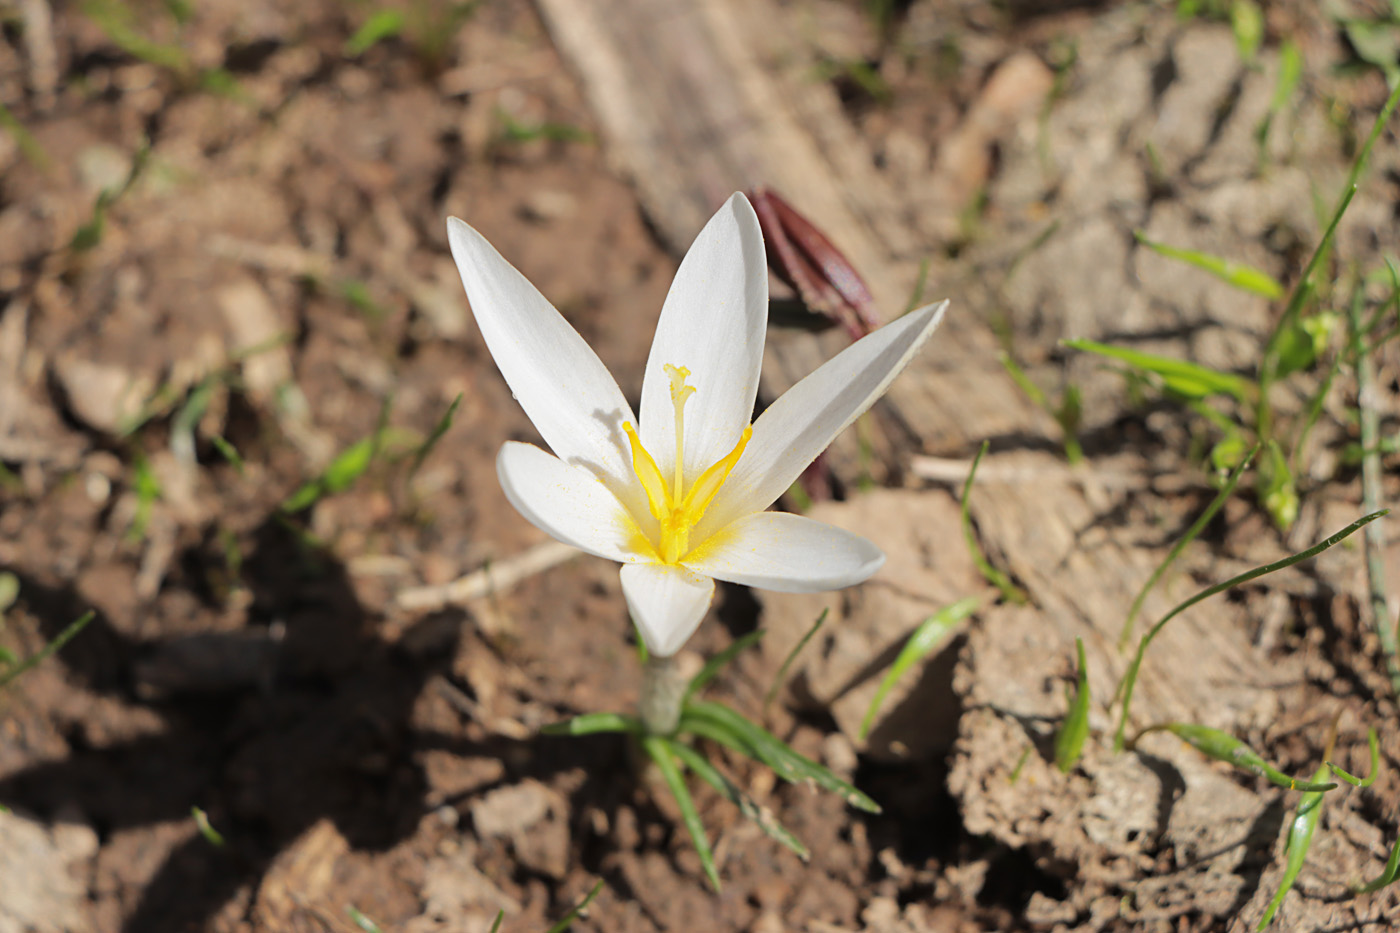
(679,495)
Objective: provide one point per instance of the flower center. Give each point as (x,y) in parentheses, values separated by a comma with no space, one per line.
(674,507)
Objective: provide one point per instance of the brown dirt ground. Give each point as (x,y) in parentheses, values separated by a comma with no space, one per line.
(254,665)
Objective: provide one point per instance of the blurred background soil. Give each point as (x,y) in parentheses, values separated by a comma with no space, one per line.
(222,229)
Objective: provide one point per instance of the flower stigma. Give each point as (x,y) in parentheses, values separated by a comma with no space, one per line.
(674,508)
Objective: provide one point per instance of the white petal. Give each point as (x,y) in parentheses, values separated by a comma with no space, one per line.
(800,424)
(788,553)
(566,390)
(567,502)
(712,324)
(666,602)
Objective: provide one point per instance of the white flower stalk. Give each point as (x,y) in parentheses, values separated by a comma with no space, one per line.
(679,496)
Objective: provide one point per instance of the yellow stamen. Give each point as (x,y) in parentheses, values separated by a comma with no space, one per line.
(675,510)
(710,482)
(658,496)
(680,392)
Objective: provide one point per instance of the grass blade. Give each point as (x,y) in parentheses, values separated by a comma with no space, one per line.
(593,723)
(361,920)
(759,743)
(781,677)
(1373,741)
(1300,836)
(717,663)
(1009,590)
(347,467)
(929,635)
(659,749)
(1066,414)
(1125,686)
(1069,743)
(1246,278)
(1269,369)
(576,911)
(761,816)
(1191,534)
(206,829)
(1184,378)
(28,146)
(384,24)
(1213,743)
(46,652)
(1388,874)
(438,431)
(1372,479)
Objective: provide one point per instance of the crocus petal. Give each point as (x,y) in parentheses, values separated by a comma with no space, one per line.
(787,553)
(666,602)
(808,416)
(565,389)
(567,502)
(713,325)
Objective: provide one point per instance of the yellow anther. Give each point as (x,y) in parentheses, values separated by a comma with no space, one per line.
(658,496)
(709,483)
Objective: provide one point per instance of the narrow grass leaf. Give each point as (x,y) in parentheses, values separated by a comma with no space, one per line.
(1213,743)
(1247,23)
(1373,741)
(496,924)
(1125,686)
(1023,382)
(1066,414)
(1388,874)
(575,912)
(1184,378)
(1270,367)
(44,653)
(1009,590)
(229,453)
(929,635)
(206,829)
(1290,71)
(147,488)
(916,297)
(1069,742)
(1246,278)
(347,467)
(1191,534)
(780,678)
(1015,774)
(114,19)
(360,920)
(383,24)
(28,145)
(761,816)
(719,661)
(772,751)
(439,429)
(659,750)
(342,471)
(592,723)
(1300,836)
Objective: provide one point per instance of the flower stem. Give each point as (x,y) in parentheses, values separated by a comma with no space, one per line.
(663,690)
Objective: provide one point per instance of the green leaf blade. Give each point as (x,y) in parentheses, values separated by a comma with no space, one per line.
(1238,275)
(660,751)
(929,635)
(759,743)
(1069,742)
